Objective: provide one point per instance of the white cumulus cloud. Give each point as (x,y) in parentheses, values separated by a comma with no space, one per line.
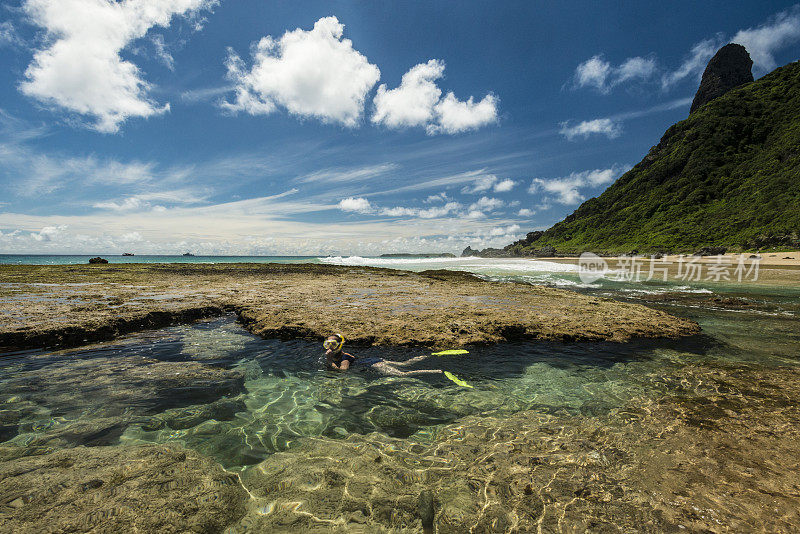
(499,230)
(412,103)
(439,197)
(418,102)
(312,73)
(363,206)
(565,190)
(598,73)
(487,204)
(763,41)
(456,115)
(504,186)
(439,211)
(80,69)
(131,237)
(50,233)
(607,127)
(358,205)
(127,204)
(486,182)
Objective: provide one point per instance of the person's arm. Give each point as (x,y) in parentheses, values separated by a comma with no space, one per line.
(345,361)
(330,361)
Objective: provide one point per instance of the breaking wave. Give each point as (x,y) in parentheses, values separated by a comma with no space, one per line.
(472,264)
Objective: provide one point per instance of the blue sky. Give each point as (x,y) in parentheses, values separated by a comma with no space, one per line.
(260,127)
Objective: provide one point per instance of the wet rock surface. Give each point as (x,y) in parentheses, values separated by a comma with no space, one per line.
(118,489)
(72,305)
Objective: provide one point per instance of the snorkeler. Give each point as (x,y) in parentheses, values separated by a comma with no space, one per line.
(339,360)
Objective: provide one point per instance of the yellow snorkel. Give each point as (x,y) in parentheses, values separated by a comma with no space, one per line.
(332,345)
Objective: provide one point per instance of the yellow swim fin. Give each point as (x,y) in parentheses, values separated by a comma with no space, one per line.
(455,379)
(450,352)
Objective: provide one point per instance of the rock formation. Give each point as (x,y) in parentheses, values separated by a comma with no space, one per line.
(729,68)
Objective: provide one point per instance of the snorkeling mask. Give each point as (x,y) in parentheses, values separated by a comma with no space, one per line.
(334,345)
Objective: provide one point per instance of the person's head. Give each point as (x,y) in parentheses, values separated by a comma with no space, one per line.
(334,342)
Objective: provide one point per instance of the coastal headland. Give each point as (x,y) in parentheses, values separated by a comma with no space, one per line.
(71,305)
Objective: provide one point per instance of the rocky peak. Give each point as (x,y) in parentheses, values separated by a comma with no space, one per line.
(730,67)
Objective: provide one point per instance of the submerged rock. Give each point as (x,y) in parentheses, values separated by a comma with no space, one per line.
(182,418)
(98,259)
(7,432)
(118,489)
(111,386)
(91,402)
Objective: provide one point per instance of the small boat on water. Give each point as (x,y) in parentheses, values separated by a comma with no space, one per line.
(188,254)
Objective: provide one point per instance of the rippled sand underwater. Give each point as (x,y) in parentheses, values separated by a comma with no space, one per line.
(700,434)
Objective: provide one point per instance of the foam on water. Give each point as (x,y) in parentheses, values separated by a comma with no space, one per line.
(472,264)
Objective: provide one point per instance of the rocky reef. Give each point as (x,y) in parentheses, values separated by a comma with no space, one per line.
(74,305)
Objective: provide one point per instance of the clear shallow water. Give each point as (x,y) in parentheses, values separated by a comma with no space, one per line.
(287,394)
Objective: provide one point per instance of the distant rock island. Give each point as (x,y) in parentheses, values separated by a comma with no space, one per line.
(727,177)
(410,255)
(128,254)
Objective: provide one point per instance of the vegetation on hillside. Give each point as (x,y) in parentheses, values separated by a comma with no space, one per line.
(728,175)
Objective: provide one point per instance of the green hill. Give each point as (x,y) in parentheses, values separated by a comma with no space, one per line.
(729,175)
